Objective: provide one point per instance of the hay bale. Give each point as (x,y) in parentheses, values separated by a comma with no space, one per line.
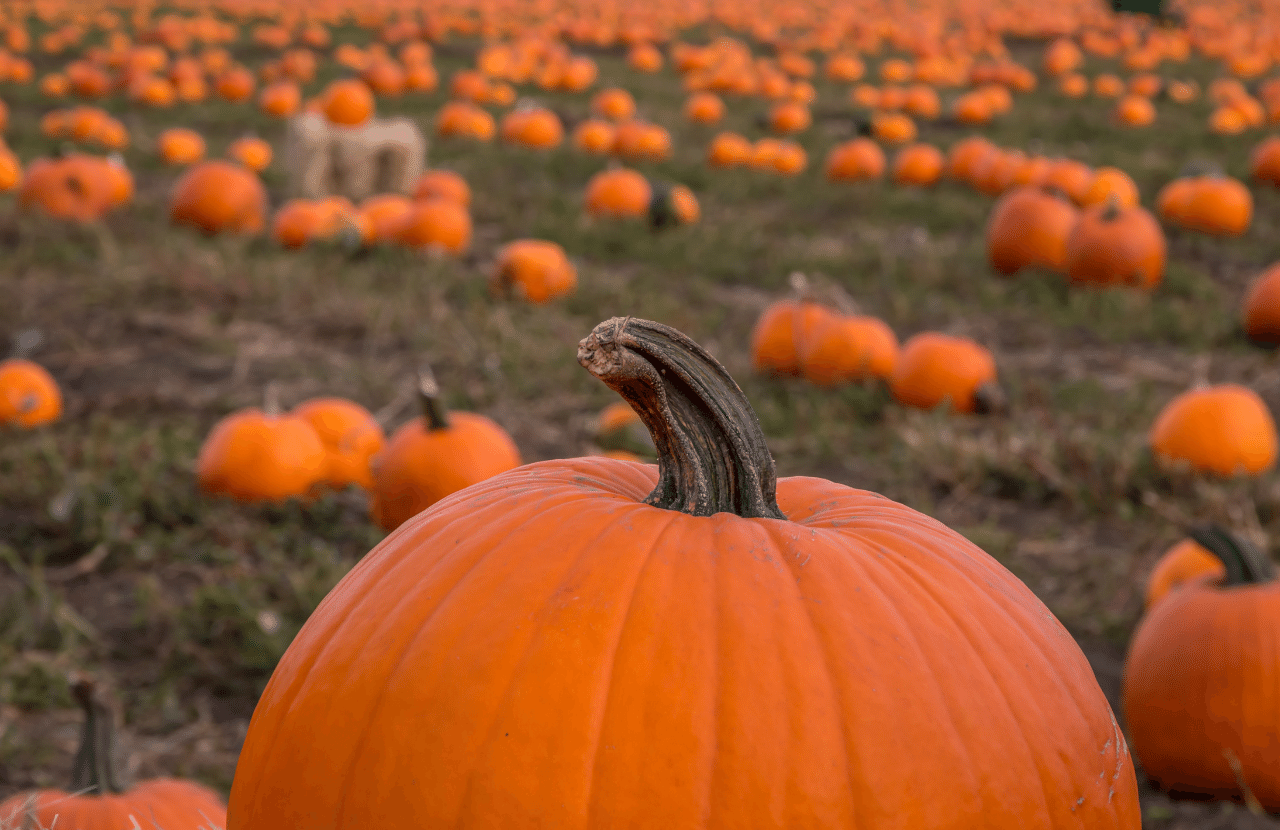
(381,156)
(308,156)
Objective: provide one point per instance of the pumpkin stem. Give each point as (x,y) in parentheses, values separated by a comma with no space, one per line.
(1112,210)
(433,410)
(712,456)
(1245,564)
(94,772)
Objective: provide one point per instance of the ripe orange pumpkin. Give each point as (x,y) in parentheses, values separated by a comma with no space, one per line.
(280,99)
(433,456)
(618,193)
(442,184)
(845,349)
(534,269)
(383,215)
(594,136)
(437,224)
(252,152)
(855,160)
(350,435)
(918,165)
(614,104)
(180,146)
(1262,308)
(788,117)
(348,102)
(729,150)
(1116,245)
(575,604)
(1184,562)
(1211,204)
(463,119)
(535,127)
(1225,430)
(29,396)
(1028,228)
(704,108)
(934,368)
(778,334)
(1199,691)
(1264,161)
(218,196)
(1134,111)
(1111,182)
(96,798)
(252,456)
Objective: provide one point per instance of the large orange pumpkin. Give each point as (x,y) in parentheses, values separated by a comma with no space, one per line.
(1200,691)
(1115,245)
(592,642)
(1028,228)
(98,799)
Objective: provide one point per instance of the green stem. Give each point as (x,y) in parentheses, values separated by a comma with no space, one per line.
(712,456)
(433,409)
(1245,564)
(94,772)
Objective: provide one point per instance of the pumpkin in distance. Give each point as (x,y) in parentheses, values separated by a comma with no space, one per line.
(590,642)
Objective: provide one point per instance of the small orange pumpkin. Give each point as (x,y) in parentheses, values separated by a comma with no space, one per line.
(348,102)
(1028,228)
(29,396)
(844,349)
(934,368)
(534,269)
(1226,430)
(180,146)
(350,435)
(594,136)
(1116,245)
(252,456)
(618,193)
(433,456)
(1184,562)
(918,165)
(704,108)
(217,196)
(252,152)
(855,160)
(1262,308)
(437,224)
(776,338)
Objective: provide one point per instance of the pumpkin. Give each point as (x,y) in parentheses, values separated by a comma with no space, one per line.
(1028,228)
(892,127)
(922,101)
(29,396)
(614,104)
(180,146)
(218,196)
(1264,162)
(280,99)
(1182,92)
(972,108)
(844,349)
(594,136)
(385,77)
(1186,561)
(10,170)
(618,428)
(917,165)
(1262,308)
(534,269)
(644,57)
(1216,205)
(618,193)
(77,187)
(729,150)
(1199,689)
(98,798)
(965,155)
(641,141)
(348,102)
(933,369)
(255,455)
(787,159)
(463,119)
(436,224)
(1116,245)
(704,108)
(533,127)
(1111,182)
(787,117)
(1107,85)
(1134,111)
(350,435)
(235,84)
(252,152)
(776,338)
(694,644)
(1225,430)
(384,214)
(1073,85)
(434,455)
(1070,177)
(439,183)
(855,160)
(673,205)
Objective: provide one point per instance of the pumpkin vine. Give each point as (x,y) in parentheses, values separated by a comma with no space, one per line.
(712,456)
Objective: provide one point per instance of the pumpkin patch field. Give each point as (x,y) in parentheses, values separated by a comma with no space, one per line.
(408,298)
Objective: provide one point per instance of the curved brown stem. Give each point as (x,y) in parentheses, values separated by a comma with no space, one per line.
(434,411)
(94,772)
(712,456)
(1245,564)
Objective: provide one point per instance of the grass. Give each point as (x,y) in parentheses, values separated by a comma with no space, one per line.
(113,562)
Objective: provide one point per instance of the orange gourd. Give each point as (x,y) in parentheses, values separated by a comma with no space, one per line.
(29,396)
(348,102)
(1183,563)
(218,196)
(933,369)
(253,456)
(843,349)
(1262,308)
(433,456)
(578,604)
(535,270)
(1028,228)
(437,224)
(778,334)
(855,160)
(252,152)
(618,193)
(442,184)
(180,146)
(1116,245)
(350,435)
(918,165)
(1226,430)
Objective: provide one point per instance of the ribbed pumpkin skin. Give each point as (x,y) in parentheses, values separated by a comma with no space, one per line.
(1203,675)
(545,650)
(172,804)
